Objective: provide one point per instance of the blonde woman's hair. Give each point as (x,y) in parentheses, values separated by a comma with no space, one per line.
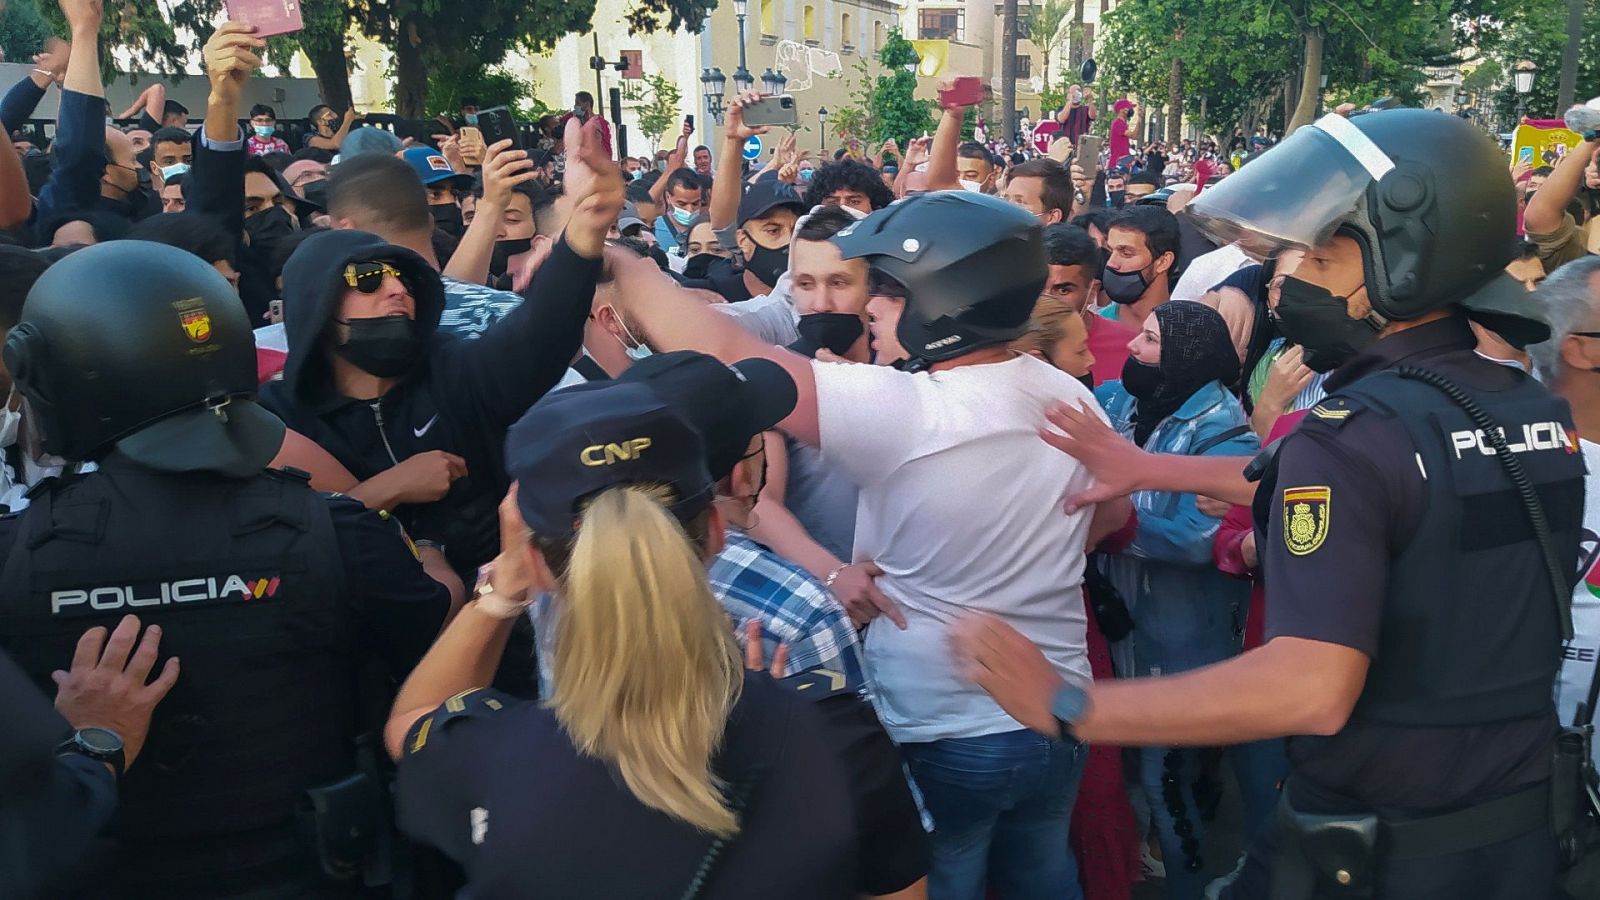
(1046,327)
(646,669)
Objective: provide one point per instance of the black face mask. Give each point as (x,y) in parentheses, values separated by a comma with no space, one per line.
(268,227)
(1087,381)
(385,346)
(1123,287)
(767,264)
(698,264)
(834,332)
(447,218)
(1320,322)
(1140,380)
(504,250)
(1116,198)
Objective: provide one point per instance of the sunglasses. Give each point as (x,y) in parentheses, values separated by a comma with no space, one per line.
(367,277)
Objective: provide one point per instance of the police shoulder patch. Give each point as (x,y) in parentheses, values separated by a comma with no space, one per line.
(477,702)
(818,684)
(1306,513)
(1333,411)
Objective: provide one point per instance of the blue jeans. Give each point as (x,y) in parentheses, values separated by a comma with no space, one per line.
(1168,775)
(1001,804)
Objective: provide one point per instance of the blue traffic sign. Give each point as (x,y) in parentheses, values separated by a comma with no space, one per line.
(752,148)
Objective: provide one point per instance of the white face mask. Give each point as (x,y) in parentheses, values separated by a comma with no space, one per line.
(975,186)
(10,420)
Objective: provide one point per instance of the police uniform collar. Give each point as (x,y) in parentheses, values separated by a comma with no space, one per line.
(1447,334)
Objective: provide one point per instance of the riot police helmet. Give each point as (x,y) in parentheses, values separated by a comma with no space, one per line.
(144,349)
(1427,197)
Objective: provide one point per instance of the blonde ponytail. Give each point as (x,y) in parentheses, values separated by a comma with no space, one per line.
(646,668)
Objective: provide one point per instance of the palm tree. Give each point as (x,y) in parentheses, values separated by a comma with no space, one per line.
(1044,30)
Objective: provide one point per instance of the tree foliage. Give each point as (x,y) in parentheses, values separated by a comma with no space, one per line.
(22,30)
(492,87)
(429,38)
(1045,32)
(1245,58)
(1535,30)
(658,110)
(897,114)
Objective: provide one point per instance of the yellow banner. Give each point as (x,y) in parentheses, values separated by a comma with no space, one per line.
(1541,146)
(934,55)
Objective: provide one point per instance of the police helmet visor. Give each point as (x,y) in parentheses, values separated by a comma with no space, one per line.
(236,438)
(1295,195)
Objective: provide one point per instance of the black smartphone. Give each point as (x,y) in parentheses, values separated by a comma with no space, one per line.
(497,124)
(689,119)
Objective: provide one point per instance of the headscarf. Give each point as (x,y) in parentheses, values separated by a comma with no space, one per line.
(1196,350)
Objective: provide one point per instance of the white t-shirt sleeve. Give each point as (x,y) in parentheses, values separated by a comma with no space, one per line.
(866,417)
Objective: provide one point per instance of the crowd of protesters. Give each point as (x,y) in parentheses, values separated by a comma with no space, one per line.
(669,543)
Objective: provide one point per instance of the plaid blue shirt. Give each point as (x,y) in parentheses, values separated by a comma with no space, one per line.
(752,582)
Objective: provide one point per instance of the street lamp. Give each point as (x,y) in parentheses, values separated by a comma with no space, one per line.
(822,120)
(773,82)
(713,83)
(1522,80)
(741,76)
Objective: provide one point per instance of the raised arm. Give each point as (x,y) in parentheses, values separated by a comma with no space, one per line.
(677,320)
(80,129)
(49,67)
(503,169)
(216,183)
(725,203)
(524,354)
(942,158)
(680,152)
(1549,203)
(15,200)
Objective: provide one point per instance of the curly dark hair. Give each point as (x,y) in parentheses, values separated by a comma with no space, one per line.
(848,174)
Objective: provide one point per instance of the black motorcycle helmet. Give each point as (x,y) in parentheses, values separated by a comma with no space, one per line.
(146,349)
(972,267)
(1427,196)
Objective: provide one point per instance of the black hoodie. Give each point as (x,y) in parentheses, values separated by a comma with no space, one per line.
(460,397)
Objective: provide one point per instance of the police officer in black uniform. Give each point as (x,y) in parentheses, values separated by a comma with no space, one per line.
(138,357)
(1412,613)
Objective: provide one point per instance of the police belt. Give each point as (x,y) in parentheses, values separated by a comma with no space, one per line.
(1475,826)
(1468,829)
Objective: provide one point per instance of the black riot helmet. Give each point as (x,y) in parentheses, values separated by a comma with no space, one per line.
(1428,197)
(146,349)
(972,267)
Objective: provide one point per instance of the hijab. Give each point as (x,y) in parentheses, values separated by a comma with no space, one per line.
(1196,350)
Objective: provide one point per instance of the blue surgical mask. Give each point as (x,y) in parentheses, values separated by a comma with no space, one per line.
(806,175)
(264,131)
(635,348)
(636,174)
(472,118)
(682,216)
(174,170)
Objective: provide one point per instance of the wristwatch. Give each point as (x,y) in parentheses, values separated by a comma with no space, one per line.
(1069,705)
(99,744)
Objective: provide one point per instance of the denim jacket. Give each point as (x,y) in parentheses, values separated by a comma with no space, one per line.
(1183,608)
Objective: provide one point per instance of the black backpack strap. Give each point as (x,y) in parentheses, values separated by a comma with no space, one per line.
(1218,440)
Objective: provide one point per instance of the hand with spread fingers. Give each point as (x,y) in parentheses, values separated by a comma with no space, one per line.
(1009,667)
(105,687)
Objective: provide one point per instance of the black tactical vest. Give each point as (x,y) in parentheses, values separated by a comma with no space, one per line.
(245,579)
(1469,633)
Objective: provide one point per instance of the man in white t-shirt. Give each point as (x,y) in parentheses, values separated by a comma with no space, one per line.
(1569,363)
(959,507)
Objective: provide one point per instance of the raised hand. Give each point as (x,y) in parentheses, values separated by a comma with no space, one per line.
(231,56)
